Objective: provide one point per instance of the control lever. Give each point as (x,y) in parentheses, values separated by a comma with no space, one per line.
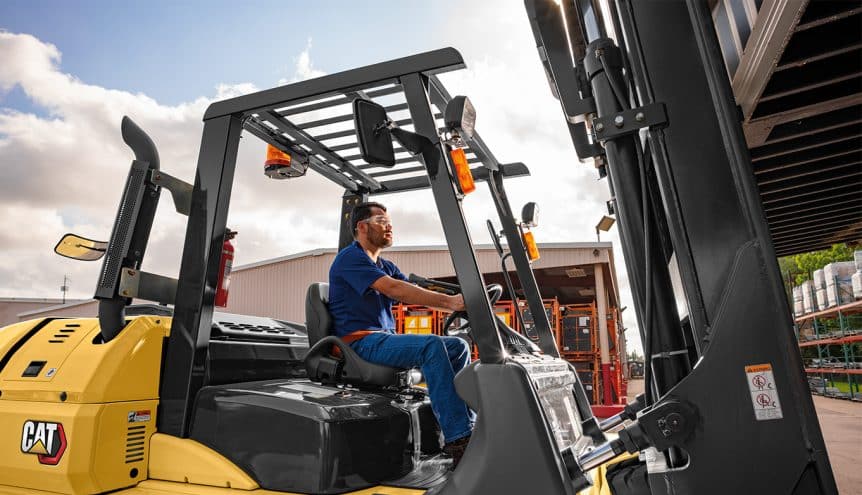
(435,285)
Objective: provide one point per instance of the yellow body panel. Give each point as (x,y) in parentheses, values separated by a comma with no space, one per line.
(97,400)
(124,369)
(187,461)
(99,442)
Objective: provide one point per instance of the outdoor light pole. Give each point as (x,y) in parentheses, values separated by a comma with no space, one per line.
(65,287)
(604,224)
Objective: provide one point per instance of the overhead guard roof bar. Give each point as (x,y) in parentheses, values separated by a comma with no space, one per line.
(304,119)
(433,62)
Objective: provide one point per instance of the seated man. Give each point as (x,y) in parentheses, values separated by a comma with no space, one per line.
(362,288)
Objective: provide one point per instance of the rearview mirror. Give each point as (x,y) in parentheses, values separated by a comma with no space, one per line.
(80,248)
(372,133)
(530,214)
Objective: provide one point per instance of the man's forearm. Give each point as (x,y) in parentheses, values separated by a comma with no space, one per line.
(412,294)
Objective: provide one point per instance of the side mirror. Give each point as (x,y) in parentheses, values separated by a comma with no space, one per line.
(80,248)
(372,132)
(460,116)
(530,214)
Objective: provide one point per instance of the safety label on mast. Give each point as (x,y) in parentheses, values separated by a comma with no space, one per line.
(764,393)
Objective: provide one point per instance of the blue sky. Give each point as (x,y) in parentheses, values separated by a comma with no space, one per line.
(176,51)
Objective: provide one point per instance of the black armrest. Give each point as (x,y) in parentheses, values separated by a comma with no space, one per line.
(349,368)
(320,364)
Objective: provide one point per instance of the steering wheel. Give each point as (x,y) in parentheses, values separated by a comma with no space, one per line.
(495,292)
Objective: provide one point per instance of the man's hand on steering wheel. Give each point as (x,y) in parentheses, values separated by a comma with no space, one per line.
(495,291)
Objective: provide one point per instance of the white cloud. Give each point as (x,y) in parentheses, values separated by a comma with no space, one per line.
(304,68)
(225,91)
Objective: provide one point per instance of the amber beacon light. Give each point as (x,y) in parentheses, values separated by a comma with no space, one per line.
(530,245)
(280,165)
(462,171)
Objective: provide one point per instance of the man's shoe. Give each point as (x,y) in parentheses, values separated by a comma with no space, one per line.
(455,449)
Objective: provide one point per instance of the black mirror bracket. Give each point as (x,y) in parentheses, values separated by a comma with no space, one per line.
(412,142)
(149,286)
(181,191)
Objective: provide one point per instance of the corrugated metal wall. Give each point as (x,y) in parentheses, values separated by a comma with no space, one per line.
(277,289)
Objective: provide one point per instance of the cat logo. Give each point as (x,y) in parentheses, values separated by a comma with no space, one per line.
(45,440)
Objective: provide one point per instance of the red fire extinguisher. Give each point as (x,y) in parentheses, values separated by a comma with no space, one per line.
(225,266)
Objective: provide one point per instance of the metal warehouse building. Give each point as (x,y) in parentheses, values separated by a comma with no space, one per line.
(567,271)
(573,273)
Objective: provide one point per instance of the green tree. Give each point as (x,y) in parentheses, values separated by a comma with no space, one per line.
(806,263)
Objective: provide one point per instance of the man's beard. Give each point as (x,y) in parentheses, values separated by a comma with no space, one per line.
(380,240)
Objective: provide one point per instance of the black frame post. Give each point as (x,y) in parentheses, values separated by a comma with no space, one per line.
(482,318)
(186,353)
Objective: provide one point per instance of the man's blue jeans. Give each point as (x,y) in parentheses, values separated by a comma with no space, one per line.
(440,359)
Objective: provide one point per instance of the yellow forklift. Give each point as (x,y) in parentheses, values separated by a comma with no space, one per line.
(178,398)
(175,397)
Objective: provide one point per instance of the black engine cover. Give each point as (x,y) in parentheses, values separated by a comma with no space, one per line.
(298,436)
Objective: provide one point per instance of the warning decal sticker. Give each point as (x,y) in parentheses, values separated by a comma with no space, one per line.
(139,416)
(764,393)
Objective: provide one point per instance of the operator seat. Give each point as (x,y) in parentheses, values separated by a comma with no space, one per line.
(349,368)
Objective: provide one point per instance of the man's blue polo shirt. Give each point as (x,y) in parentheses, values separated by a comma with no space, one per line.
(354,305)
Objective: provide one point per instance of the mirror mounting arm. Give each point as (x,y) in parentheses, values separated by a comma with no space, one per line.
(412,142)
(417,144)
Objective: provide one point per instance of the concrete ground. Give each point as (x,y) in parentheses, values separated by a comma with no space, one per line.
(841,423)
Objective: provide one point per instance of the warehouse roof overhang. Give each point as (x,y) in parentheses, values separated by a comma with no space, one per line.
(799,84)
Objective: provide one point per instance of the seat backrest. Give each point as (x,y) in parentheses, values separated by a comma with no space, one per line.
(318,321)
